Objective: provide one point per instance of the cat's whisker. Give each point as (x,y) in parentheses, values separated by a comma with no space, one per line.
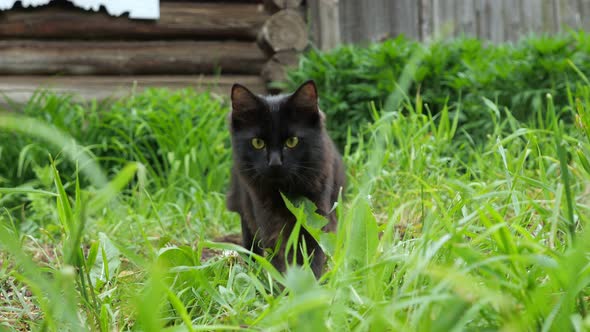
(305,167)
(314,162)
(307,182)
(303,181)
(247,169)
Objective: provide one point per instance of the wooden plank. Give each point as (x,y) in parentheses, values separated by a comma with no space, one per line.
(436,22)
(325,23)
(497,22)
(405,20)
(465,12)
(494,20)
(549,16)
(106,57)
(19,89)
(425,20)
(532,15)
(449,18)
(186,20)
(483,15)
(569,14)
(444,18)
(511,11)
(353,17)
(585,12)
(381,23)
(329,13)
(315,23)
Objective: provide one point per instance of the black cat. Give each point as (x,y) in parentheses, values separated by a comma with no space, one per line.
(280,145)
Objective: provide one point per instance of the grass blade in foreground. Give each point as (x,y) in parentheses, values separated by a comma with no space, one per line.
(437,233)
(56,287)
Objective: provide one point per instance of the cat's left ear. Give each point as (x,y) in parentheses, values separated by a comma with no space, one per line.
(305,98)
(246,108)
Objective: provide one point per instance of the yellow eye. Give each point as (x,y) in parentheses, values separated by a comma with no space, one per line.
(257,143)
(291,142)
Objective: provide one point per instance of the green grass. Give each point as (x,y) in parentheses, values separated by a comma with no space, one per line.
(454,71)
(436,233)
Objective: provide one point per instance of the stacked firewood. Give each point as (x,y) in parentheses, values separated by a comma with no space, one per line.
(283,36)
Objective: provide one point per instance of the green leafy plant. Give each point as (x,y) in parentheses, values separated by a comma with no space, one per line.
(439,229)
(451,73)
(162,130)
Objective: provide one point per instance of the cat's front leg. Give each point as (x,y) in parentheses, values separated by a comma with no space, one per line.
(249,238)
(285,255)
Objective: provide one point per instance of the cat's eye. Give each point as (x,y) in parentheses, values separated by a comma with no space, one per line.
(257,143)
(291,142)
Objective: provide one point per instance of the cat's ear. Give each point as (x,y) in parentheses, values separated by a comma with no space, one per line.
(242,100)
(305,98)
(304,105)
(245,106)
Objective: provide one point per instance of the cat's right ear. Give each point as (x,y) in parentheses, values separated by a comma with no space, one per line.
(245,106)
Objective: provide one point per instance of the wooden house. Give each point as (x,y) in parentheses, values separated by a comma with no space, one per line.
(199,44)
(210,44)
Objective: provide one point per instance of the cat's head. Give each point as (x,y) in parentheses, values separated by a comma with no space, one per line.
(277,139)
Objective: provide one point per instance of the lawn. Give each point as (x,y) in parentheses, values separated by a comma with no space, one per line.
(113,218)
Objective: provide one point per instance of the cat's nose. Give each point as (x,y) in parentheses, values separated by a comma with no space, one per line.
(274,159)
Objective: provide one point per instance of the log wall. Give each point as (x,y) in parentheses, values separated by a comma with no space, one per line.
(202,44)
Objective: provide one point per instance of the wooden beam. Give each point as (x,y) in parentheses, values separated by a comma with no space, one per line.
(585,12)
(19,89)
(150,57)
(404,18)
(325,23)
(569,12)
(177,20)
(274,6)
(284,31)
(425,20)
(275,70)
(465,17)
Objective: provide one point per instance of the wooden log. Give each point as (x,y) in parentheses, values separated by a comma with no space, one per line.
(19,89)
(104,58)
(283,31)
(275,69)
(177,20)
(276,5)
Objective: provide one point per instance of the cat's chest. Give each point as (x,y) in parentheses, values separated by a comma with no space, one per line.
(271,196)
(296,194)
(294,197)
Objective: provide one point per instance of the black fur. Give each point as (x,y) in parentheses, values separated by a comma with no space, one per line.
(312,169)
